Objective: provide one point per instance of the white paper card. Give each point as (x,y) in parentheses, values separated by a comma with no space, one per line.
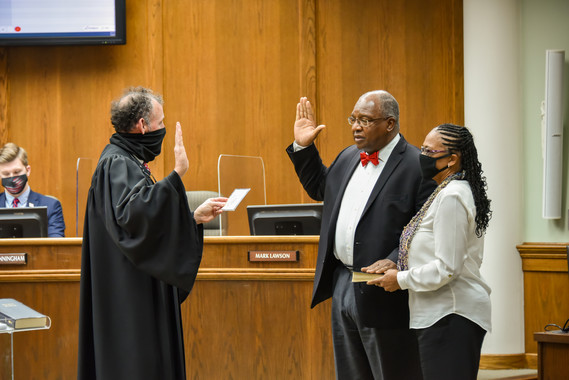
(234,199)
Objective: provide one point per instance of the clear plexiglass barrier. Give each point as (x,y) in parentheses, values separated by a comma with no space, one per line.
(233,172)
(241,172)
(7,348)
(82,185)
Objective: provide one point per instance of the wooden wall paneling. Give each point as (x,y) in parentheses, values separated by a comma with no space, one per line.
(227,65)
(553,354)
(232,79)
(49,283)
(259,323)
(60,99)
(307,41)
(546,288)
(307,56)
(240,338)
(546,295)
(433,57)
(413,49)
(191,86)
(233,75)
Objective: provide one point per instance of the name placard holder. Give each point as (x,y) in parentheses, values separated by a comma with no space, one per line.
(13,258)
(272,255)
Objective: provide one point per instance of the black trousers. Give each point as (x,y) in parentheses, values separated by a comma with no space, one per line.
(362,352)
(450,349)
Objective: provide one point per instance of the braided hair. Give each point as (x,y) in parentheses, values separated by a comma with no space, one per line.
(459,139)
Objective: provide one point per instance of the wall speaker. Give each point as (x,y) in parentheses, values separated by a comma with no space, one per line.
(553,155)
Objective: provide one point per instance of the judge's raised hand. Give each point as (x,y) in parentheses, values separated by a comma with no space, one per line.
(180,157)
(305,129)
(209,209)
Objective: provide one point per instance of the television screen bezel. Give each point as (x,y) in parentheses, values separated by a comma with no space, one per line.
(253,210)
(26,214)
(50,40)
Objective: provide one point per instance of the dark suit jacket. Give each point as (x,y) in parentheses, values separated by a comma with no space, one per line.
(56,224)
(396,197)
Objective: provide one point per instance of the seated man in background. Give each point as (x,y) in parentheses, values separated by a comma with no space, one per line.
(14,171)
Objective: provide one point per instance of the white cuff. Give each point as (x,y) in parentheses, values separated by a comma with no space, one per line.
(402,279)
(297,147)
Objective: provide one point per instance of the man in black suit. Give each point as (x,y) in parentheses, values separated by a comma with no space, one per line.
(370,192)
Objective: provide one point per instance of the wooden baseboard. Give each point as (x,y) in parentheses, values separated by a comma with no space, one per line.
(508,361)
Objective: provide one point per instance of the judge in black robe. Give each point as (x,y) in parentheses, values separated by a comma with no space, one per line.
(141,253)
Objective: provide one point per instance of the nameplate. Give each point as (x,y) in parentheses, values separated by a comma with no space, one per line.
(13,258)
(273,255)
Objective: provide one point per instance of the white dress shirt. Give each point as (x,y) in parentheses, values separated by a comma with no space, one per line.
(444,262)
(22,198)
(353,203)
(354,200)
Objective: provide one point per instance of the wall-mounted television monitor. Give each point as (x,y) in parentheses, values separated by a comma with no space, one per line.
(23,222)
(291,219)
(62,22)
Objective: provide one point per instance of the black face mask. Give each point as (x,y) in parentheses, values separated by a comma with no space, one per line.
(429,165)
(15,185)
(145,146)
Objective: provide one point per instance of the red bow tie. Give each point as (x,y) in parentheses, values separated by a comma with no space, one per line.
(373,158)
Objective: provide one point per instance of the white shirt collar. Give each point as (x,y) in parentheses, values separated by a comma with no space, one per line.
(385,152)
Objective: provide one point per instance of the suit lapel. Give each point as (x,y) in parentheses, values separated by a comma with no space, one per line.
(353,161)
(392,162)
(33,199)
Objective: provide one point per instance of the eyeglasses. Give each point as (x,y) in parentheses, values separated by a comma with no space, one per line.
(364,122)
(430,152)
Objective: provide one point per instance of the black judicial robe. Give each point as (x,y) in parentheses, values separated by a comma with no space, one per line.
(140,256)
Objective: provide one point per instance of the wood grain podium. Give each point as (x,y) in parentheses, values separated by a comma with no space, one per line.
(545,289)
(552,355)
(243,320)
